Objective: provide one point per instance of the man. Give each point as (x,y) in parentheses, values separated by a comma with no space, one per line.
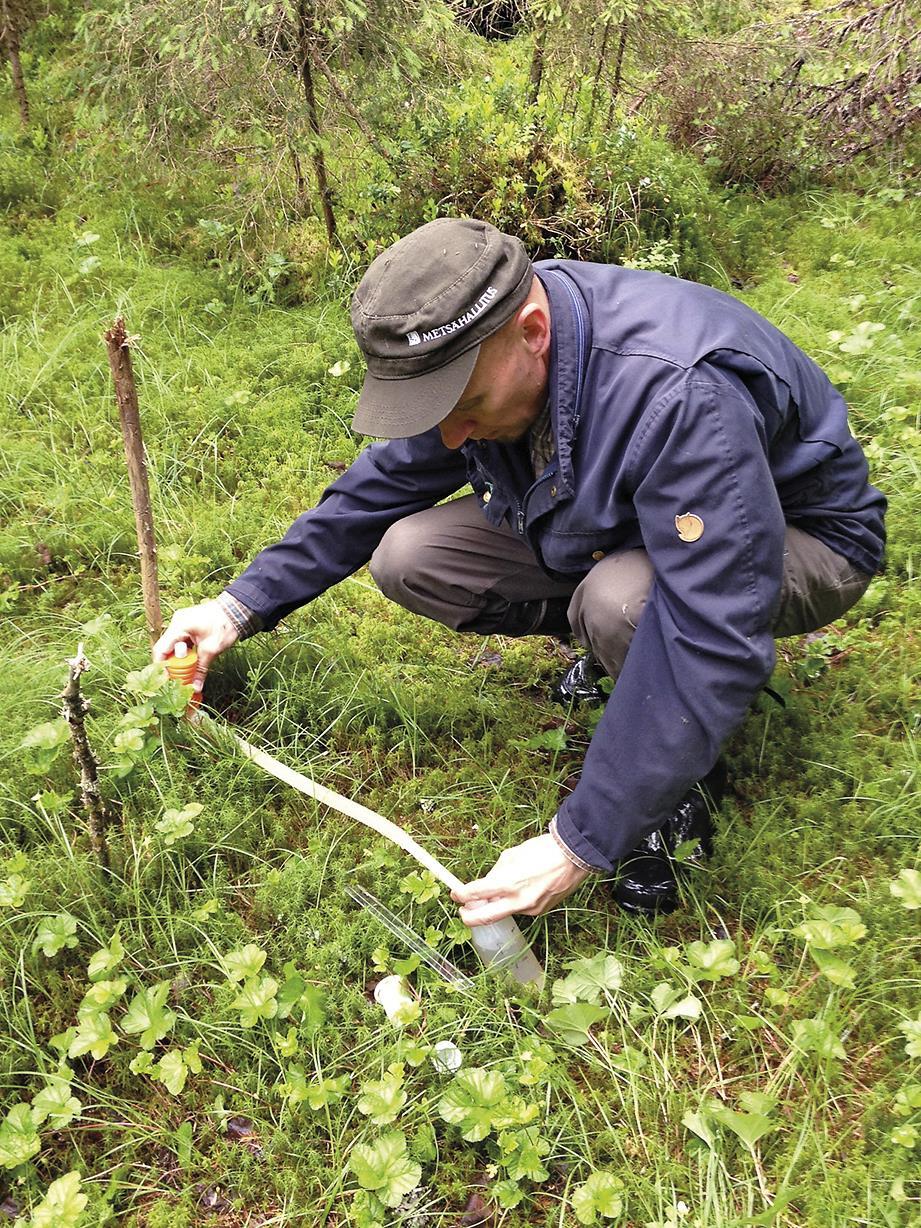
(654,467)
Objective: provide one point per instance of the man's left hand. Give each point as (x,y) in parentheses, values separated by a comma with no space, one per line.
(530,878)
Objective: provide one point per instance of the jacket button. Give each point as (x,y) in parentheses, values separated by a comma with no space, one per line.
(597,555)
(552,492)
(486,496)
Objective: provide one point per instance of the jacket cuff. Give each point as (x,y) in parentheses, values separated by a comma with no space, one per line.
(567,851)
(581,851)
(246,621)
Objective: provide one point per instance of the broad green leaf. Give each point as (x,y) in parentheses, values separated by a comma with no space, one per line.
(244,963)
(549,739)
(907,888)
(50,736)
(508,1194)
(385,1168)
(327,1091)
(173,1068)
(816,1036)
(176,824)
(589,979)
(147,682)
(601,1194)
(55,933)
(905,1135)
(912,1030)
(907,1099)
(710,961)
(475,1101)
(382,1099)
(699,1124)
(205,911)
(287,1044)
(749,1127)
(143,1063)
(149,1015)
(62,1206)
(835,969)
(758,1102)
(422,886)
(94,1035)
(19,1139)
(13,891)
(524,1151)
(106,959)
(256,1000)
(172,1071)
(101,996)
(55,1103)
(572,1023)
(669,1004)
(829,927)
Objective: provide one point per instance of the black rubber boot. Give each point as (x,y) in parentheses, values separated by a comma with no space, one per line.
(647,882)
(542,616)
(579,685)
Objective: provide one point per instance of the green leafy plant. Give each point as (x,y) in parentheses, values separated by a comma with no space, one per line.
(589,979)
(385,1170)
(601,1195)
(55,934)
(62,1206)
(177,824)
(382,1099)
(148,1016)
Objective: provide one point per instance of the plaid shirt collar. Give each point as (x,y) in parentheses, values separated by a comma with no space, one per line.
(541,443)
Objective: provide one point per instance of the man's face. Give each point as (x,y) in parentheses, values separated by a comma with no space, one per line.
(505,393)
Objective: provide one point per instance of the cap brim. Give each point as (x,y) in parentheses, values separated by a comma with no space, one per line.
(397,408)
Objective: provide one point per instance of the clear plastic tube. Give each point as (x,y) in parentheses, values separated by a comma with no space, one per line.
(502,943)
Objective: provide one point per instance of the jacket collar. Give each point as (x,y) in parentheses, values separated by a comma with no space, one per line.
(570,344)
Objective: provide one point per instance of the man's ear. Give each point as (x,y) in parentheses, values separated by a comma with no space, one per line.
(534,326)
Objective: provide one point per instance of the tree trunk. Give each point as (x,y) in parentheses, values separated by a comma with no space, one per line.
(74,708)
(126,395)
(618,69)
(536,75)
(598,67)
(319,163)
(10,36)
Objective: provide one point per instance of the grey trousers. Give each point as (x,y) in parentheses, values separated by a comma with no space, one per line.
(449,564)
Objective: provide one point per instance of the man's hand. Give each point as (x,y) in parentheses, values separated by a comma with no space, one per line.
(207,627)
(530,878)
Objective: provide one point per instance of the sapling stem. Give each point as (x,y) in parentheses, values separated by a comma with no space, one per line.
(74,709)
(118,344)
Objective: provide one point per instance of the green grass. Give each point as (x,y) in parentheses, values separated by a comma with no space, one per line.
(243,422)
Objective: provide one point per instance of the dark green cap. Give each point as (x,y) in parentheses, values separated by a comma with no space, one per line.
(420,313)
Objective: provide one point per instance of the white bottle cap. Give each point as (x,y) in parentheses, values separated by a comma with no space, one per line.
(393,994)
(446,1057)
(181,649)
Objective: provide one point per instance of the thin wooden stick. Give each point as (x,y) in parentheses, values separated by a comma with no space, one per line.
(344,805)
(74,708)
(118,345)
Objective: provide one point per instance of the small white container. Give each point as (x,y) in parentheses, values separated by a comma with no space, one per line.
(446,1057)
(502,944)
(393,994)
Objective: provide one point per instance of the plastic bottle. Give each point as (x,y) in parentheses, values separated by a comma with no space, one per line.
(502,943)
(181,666)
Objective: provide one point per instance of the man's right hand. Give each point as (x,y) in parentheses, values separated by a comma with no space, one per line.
(206,626)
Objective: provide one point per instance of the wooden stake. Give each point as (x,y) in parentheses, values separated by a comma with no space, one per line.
(118,344)
(74,709)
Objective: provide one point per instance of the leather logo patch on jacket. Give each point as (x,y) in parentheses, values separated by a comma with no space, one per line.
(690,527)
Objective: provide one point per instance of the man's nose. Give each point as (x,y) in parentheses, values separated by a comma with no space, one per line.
(453,433)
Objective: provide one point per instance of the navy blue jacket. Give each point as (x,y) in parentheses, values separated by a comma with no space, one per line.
(667,397)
